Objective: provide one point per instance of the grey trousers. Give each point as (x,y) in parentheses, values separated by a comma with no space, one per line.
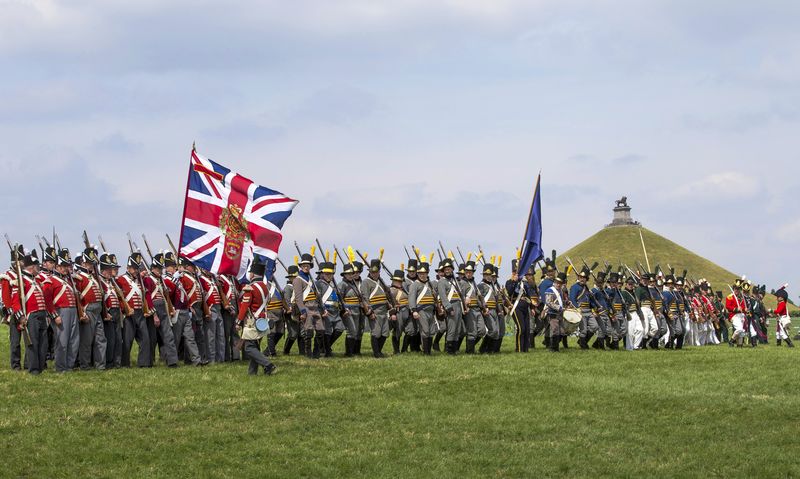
(588,324)
(474,325)
(67,340)
(231,336)
(167,348)
(292,328)
(403,320)
(620,329)
(662,325)
(113,334)
(136,328)
(353,323)
(97,338)
(182,331)
(199,331)
(214,332)
(256,357)
(492,325)
(14,339)
(36,353)
(427,321)
(675,325)
(556,322)
(455,321)
(379,327)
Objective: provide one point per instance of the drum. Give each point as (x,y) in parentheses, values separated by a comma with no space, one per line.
(262,325)
(572,319)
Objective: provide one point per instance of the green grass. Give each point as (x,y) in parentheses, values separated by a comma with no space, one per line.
(701,412)
(623,244)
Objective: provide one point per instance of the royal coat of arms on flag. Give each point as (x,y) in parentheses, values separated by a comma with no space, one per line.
(228,220)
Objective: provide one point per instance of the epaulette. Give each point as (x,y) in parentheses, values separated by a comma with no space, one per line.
(247,287)
(730,296)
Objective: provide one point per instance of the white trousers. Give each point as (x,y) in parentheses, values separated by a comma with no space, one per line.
(649,323)
(738,325)
(635,331)
(783,332)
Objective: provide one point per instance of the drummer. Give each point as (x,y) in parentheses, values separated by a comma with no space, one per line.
(555,300)
(252,322)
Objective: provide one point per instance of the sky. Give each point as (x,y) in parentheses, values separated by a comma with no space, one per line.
(411,121)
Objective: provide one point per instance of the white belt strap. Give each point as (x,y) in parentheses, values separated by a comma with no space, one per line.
(261,308)
(375,291)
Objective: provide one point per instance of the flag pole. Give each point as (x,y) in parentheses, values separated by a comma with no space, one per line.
(186,198)
(646,260)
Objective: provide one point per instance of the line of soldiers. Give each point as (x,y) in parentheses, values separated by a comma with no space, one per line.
(651,310)
(83,314)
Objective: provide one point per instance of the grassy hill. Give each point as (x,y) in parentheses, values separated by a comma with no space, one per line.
(622,243)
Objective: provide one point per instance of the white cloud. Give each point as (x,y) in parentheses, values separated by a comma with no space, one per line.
(720,186)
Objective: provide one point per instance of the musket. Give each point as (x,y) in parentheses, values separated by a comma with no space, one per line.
(408,255)
(458,249)
(286,303)
(159,280)
(365,308)
(145,306)
(201,293)
(386,289)
(95,272)
(26,334)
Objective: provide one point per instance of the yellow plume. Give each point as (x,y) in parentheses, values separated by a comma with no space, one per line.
(492,259)
(450,255)
(380,256)
(366,255)
(351,254)
(402,267)
(422,259)
(480,257)
(499,260)
(335,255)
(569,269)
(296,259)
(432,256)
(469,256)
(313,250)
(519,254)
(416,250)
(327,255)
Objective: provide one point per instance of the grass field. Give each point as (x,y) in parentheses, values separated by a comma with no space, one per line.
(701,412)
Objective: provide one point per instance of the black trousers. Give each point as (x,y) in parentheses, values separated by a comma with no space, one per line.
(522,320)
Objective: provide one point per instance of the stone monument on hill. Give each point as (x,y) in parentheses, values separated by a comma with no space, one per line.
(622,214)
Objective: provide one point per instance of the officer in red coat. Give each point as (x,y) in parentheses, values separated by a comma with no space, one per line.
(31,308)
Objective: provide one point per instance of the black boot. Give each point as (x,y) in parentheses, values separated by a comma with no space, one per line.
(458,345)
(679,342)
(395,344)
(278,337)
(327,340)
(614,345)
(335,337)
(348,347)
(426,346)
(470,346)
(778,342)
(498,344)
(789,343)
(654,343)
(319,345)
(373,341)
(436,341)
(270,345)
(484,347)
(406,343)
(583,343)
(416,343)
(554,344)
(598,344)
(287,348)
(624,342)
(451,347)
(643,344)
(381,342)
(546,342)
(308,347)
(564,341)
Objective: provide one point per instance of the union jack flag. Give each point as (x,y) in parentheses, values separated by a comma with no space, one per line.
(228,220)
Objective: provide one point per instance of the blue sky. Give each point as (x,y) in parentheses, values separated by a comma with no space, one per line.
(412,121)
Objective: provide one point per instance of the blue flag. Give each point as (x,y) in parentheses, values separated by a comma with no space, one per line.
(532,242)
